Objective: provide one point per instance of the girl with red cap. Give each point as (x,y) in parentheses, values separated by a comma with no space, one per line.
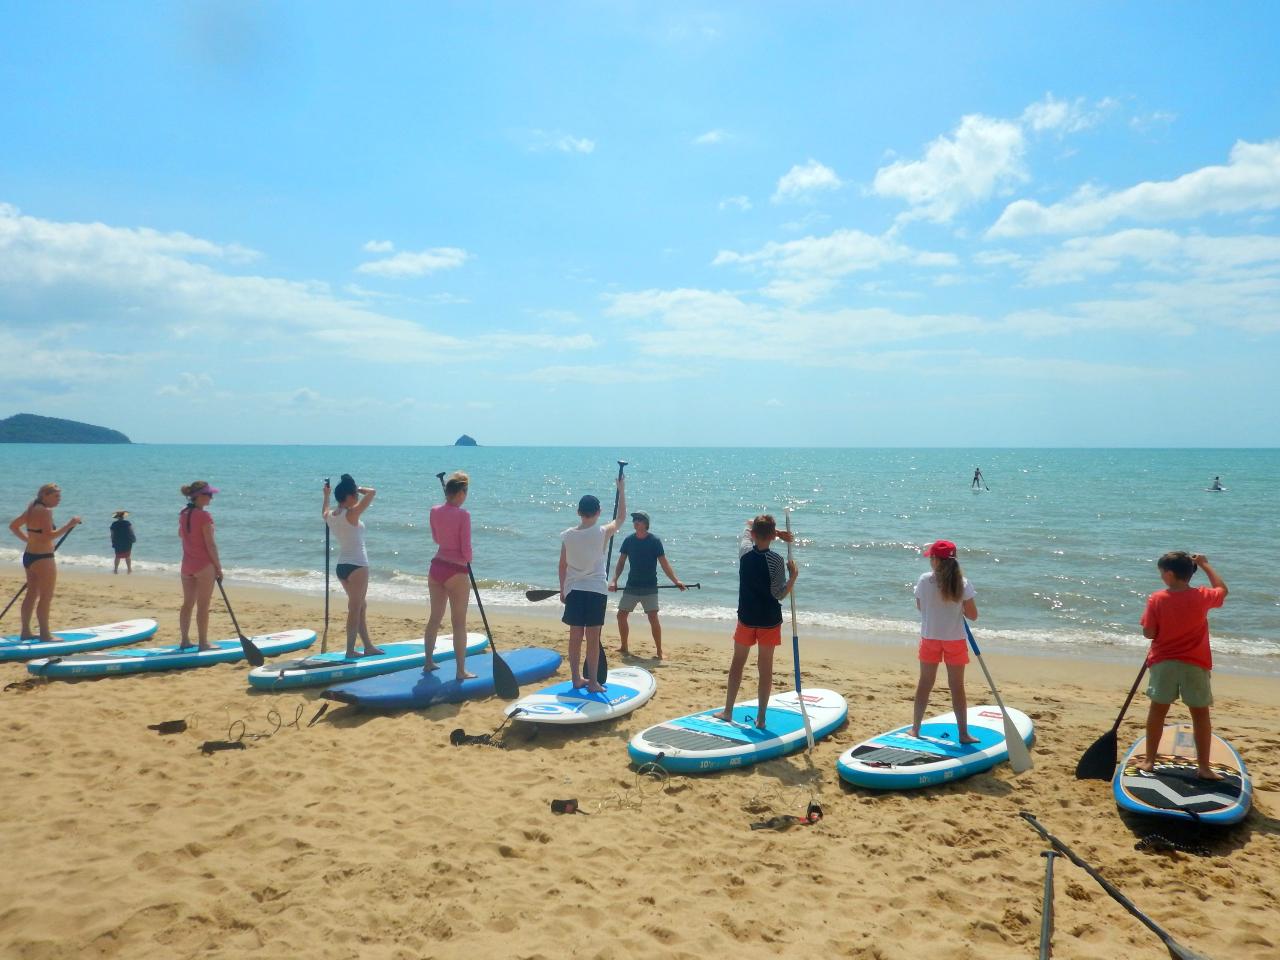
(944,597)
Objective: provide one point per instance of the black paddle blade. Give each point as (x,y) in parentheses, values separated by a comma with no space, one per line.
(251,652)
(533,596)
(504,681)
(602,668)
(1099,761)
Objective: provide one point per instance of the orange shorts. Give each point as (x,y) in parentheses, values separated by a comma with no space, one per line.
(750,636)
(953,652)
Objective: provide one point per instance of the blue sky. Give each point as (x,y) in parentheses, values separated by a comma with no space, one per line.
(579,223)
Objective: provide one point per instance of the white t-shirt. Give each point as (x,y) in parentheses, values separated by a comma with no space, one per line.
(350,537)
(940,619)
(584,553)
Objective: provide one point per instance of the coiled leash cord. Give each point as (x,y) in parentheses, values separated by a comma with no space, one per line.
(238,731)
(650,785)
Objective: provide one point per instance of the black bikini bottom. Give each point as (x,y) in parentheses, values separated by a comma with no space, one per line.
(29,558)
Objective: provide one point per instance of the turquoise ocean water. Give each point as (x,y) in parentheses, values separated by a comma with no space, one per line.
(1061,548)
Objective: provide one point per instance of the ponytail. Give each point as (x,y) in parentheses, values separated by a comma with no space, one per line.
(949,578)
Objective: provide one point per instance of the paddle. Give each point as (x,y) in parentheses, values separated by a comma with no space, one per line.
(602,663)
(1176,951)
(504,681)
(324,637)
(251,651)
(533,596)
(795,646)
(1019,755)
(23,588)
(1099,761)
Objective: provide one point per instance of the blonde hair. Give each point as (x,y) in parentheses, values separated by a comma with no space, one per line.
(457,482)
(44,491)
(949,578)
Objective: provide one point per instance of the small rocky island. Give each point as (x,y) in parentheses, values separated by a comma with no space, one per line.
(465,441)
(30,428)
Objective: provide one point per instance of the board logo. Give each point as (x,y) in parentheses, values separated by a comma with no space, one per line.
(992,714)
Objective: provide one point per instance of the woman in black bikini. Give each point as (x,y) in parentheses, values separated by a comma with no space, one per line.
(37,557)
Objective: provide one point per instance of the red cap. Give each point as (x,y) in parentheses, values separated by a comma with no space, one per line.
(942,549)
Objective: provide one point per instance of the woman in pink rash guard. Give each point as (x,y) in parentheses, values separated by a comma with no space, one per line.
(448,579)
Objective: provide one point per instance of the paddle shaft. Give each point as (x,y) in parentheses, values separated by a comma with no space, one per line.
(1019,755)
(324,638)
(504,681)
(1176,951)
(616,493)
(795,645)
(22,589)
(533,596)
(1129,699)
(1046,910)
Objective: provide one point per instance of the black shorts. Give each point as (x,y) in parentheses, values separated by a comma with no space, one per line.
(582,608)
(344,570)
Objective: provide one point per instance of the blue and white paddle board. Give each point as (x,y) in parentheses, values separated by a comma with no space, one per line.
(898,761)
(1173,788)
(147,659)
(413,689)
(701,742)
(75,641)
(332,667)
(628,689)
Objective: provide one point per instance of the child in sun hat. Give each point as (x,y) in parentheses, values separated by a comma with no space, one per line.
(944,597)
(122,540)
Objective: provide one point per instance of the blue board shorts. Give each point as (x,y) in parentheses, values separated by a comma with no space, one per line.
(582,608)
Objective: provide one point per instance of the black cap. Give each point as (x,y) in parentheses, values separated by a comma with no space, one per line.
(589,505)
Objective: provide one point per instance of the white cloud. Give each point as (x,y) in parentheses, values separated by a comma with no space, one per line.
(804,179)
(379,246)
(1156,120)
(1064,116)
(980,158)
(410,264)
(1249,181)
(710,137)
(540,141)
(606,374)
(740,202)
(304,396)
(1161,251)
(189,384)
(808,268)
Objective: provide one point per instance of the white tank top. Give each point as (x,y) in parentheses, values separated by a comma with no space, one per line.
(350,538)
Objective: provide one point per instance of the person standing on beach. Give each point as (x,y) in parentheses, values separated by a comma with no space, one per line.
(583,589)
(201,567)
(448,581)
(645,552)
(763,583)
(353,562)
(39,543)
(1176,621)
(944,597)
(122,540)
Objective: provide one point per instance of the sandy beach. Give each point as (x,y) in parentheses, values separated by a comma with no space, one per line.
(371,836)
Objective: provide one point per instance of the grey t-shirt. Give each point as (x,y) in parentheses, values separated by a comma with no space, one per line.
(642,559)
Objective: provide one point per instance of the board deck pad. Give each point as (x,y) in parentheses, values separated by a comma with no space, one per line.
(77,640)
(413,690)
(701,742)
(332,667)
(898,761)
(150,659)
(627,689)
(1174,789)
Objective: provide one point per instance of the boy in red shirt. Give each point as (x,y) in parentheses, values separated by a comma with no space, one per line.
(1176,621)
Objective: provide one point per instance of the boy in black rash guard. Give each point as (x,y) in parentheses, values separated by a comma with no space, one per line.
(762,583)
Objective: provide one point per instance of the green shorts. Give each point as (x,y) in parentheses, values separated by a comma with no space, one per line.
(1171,679)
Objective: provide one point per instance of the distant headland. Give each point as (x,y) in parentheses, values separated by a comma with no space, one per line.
(465,441)
(29,428)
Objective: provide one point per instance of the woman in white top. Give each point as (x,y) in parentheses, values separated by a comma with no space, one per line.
(944,598)
(353,563)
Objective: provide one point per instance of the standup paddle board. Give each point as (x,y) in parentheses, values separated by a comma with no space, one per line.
(147,659)
(898,761)
(413,689)
(1173,789)
(73,641)
(629,688)
(702,742)
(324,668)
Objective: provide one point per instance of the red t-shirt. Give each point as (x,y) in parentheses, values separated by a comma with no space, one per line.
(1180,620)
(195,552)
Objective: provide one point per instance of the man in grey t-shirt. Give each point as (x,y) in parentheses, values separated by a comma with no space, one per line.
(645,552)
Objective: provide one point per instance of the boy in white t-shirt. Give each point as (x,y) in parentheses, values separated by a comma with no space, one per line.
(583,584)
(944,597)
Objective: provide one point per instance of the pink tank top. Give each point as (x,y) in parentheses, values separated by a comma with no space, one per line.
(451,529)
(195,552)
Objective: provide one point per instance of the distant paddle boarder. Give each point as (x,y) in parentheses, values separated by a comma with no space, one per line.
(1217,484)
(978,482)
